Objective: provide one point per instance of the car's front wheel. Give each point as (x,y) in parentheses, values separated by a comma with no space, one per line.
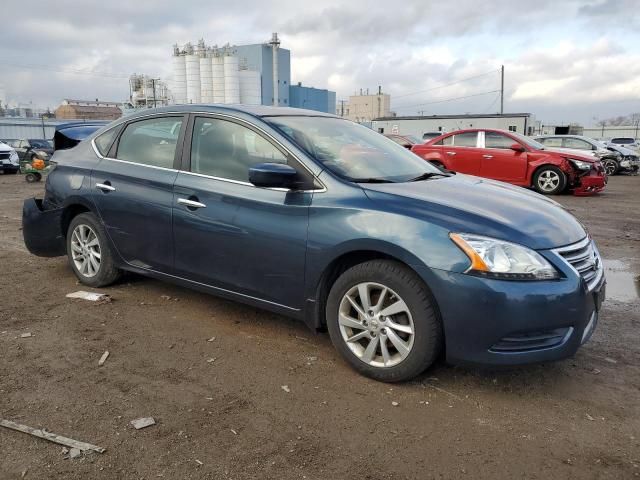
(610,166)
(381,319)
(89,254)
(550,180)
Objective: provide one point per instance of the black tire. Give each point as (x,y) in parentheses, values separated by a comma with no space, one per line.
(31,177)
(546,172)
(611,166)
(428,337)
(107,273)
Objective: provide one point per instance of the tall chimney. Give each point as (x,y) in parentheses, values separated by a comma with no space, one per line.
(275,44)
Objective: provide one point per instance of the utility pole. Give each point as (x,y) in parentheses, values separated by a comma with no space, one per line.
(502,90)
(342,108)
(153,85)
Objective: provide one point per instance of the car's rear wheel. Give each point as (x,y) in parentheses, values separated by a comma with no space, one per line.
(549,180)
(89,254)
(382,321)
(610,166)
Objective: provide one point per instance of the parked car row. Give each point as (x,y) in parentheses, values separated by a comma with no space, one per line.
(516,159)
(615,158)
(398,260)
(9,160)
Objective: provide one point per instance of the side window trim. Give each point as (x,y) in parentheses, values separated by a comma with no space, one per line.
(185,162)
(179,142)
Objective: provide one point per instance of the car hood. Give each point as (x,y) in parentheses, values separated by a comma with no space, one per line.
(468,204)
(5,148)
(574,153)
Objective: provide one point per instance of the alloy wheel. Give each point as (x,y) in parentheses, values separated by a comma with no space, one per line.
(610,167)
(376,324)
(85,250)
(548,180)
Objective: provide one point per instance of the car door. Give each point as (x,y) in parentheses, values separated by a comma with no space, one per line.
(238,237)
(461,154)
(500,161)
(578,144)
(133,189)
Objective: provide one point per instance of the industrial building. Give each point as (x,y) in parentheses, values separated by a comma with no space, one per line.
(364,108)
(147,92)
(312,98)
(515,122)
(88,110)
(258,74)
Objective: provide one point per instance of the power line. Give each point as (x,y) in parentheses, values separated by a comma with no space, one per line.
(447,84)
(447,100)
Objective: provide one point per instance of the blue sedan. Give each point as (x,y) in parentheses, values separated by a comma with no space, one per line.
(318,218)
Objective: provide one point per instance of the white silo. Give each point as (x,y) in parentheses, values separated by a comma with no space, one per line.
(250,87)
(193,75)
(206,78)
(217,74)
(179,77)
(231,79)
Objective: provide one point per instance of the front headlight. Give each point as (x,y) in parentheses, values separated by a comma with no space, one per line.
(579,164)
(498,259)
(13,156)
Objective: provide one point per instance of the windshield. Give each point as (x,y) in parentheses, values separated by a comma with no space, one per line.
(352,151)
(530,142)
(39,143)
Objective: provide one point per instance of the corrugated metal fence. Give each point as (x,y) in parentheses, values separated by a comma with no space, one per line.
(14,128)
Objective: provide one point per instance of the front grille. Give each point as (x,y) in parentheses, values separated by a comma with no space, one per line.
(526,342)
(4,156)
(584,258)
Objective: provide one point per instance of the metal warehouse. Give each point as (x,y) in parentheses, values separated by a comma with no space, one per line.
(516,122)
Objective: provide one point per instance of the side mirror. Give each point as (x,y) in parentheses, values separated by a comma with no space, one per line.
(273,175)
(516,147)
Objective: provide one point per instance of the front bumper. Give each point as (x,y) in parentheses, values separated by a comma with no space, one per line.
(42,229)
(501,323)
(7,166)
(590,185)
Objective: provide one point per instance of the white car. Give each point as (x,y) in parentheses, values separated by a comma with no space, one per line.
(626,142)
(8,159)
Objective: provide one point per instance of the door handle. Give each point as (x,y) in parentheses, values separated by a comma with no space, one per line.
(105,187)
(487,156)
(451,153)
(190,203)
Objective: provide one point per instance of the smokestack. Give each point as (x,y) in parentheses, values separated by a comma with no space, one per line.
(275,44)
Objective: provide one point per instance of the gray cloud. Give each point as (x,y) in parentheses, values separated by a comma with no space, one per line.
(558,54)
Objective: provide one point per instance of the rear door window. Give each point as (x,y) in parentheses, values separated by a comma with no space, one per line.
(150,142)
(576,143)
(553,142)
(466,139)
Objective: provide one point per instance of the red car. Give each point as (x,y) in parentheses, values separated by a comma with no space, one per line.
(514,158)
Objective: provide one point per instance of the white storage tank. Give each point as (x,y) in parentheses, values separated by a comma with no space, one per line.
(217,74)
(179,79)
(250,87)
(193,75)
(206,78)
(231,79)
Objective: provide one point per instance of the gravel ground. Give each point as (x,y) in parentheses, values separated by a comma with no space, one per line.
(232,418)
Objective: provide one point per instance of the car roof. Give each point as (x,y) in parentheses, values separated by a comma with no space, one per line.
(253,110)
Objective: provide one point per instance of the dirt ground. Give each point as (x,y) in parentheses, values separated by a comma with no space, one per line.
(231,418)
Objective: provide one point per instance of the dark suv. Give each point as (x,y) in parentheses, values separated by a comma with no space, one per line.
(316,217)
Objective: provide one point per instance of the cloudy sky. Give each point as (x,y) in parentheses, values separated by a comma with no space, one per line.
(565,60)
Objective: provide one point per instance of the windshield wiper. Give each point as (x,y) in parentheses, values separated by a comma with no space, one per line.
(372,180)
(427,175)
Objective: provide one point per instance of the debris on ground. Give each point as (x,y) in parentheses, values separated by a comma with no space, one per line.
(26,335)
(589,417)
(286,388)
(199,462)
(395,404)
(610,360)
(143,422)
(52,437)
(165,297)
(75,453)
(91,296)
(234,432)
(103,358)
(211,339)
(211,360)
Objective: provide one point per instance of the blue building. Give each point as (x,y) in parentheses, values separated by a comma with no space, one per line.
(259,57)
(312,98)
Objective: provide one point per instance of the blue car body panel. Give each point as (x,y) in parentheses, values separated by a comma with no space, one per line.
(273,248)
